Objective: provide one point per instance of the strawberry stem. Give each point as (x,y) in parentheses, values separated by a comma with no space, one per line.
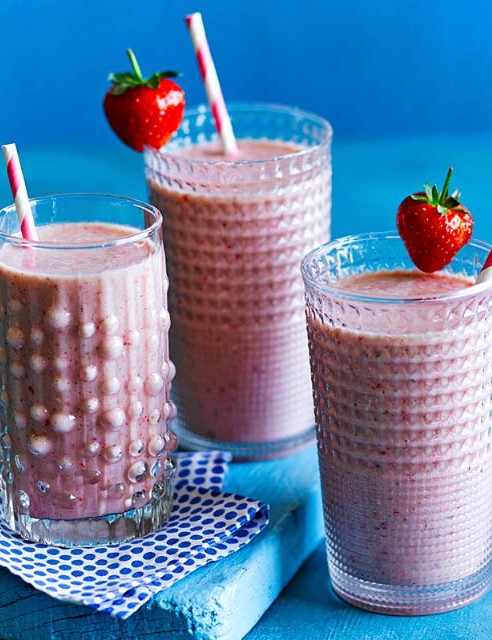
(134,63)
(444,192)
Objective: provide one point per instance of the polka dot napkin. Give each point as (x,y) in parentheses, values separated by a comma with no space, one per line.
(205,525)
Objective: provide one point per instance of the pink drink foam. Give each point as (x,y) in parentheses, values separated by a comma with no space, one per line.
(402,418)
(238,331)
(248,151)
(88,411)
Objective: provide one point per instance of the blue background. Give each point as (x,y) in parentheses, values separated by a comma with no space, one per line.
(406,84)
(385,67)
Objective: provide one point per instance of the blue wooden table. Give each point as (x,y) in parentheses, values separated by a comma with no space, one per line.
(308,609)
(370,179)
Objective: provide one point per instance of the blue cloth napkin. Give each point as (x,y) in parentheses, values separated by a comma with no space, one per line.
(205,525)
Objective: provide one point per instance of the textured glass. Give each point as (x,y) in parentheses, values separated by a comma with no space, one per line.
(402,394)
(85,373)
(235,233)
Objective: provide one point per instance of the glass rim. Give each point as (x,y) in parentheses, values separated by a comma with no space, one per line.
(346,241)
(204,109)
(122,240)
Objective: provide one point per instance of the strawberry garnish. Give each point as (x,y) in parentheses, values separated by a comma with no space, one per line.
(144,111)
(434,226)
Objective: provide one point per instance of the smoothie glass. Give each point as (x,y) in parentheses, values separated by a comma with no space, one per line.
(402,392)
(235,231)
(85,372)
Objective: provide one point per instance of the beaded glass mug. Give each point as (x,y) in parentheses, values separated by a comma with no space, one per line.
(402,381)
(85,377)
(235,231)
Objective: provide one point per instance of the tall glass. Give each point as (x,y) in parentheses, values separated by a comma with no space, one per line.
(235,230)
(402,389)
(85,372)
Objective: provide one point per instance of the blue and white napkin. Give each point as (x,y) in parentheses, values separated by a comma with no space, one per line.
(205,525)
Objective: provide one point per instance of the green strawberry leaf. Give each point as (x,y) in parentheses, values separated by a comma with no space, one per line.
(153,82)
(440,200)
(168,74)
(124,81)
(122,77)
(451,203)
(118,89)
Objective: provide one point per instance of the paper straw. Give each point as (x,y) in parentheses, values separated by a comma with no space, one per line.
(19,192)
(486,272)
(210,79)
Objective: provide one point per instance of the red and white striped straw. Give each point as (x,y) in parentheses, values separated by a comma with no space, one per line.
(210,79)
(19,192)
(486,272)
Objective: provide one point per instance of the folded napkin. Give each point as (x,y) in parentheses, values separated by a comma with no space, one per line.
(205,525)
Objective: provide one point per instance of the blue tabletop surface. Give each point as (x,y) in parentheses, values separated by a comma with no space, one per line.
(370,178)
(309,610)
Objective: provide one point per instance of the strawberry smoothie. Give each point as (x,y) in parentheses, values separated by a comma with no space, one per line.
(85,379)
(235,230)
(403,400)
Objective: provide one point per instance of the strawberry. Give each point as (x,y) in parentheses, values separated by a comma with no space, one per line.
(144,111)
(434,226)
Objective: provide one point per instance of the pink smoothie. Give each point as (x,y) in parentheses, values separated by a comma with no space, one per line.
(85,372)
(403,419)
(249,151)
(236,297)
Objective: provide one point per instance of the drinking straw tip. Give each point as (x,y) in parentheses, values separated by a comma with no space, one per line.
(190,17)
(210,79)
(19,192)
(7,149)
